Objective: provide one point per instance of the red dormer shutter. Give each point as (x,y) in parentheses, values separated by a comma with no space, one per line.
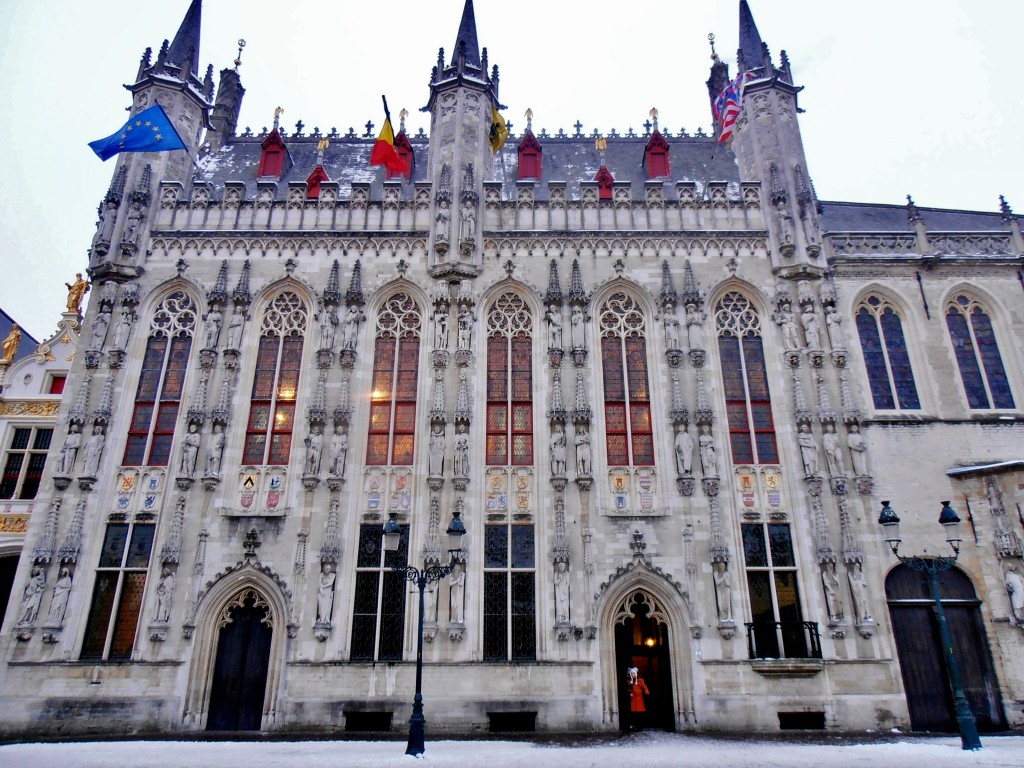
(273,156)
(316,178)
(656,157)
(604,181)
(530,155)
(404,149)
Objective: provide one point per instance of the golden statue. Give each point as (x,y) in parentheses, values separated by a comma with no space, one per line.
(11,344)
(76,292)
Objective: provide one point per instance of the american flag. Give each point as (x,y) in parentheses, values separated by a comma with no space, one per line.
(728,104)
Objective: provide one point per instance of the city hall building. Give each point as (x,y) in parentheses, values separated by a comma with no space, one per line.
(665,388)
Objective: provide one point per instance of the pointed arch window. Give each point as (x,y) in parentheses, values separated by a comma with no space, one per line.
(268,435)
(977,354)
(161,382)
(885,355)
(748,402)
(509,382)
(396,357)
(627,396)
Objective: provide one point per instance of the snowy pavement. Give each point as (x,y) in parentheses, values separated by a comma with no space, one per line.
(643,750)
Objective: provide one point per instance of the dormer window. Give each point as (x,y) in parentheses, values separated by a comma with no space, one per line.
(273,157)
(530,155)
(316,178)
(404,149)
(656,157)
(604,181)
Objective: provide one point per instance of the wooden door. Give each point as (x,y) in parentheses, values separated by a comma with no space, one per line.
(925,679)
(239,684)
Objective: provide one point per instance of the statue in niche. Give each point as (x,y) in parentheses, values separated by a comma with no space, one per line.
(671,327)
(214,319)
(69,451)
(808,450)
(706,444)
(164,591)
(77,291)
(694,329)
(584,457)
(858,450)
(723,591)
(338,451)
(28,609)
(787,322)
(456,608)
(215,451)
(684,452)
(435,460)
(834,326)
(1015,589)
(132,223)
(462,454)
(430,602)
(577,333)
(325,594)
(328,328)
(830,584)
(314,448)
(859,590)
(350,333)
(123,329)
(833,452)
(99,329)
(554,320)
(811,331)
(561,591)
(465,327)
(94,451)
(189,451)
(235,330)
(558,452)
(441,328)
(468,222)
(444,222)
(105,225)
(786,232)
(811,228)
(59,600)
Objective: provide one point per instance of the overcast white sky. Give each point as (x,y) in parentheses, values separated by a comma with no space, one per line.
(917,96)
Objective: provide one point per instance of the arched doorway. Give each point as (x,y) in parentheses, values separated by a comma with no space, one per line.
(916,629)
(242,661)
(642,641)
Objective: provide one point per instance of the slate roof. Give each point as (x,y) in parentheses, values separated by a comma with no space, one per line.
(872,217)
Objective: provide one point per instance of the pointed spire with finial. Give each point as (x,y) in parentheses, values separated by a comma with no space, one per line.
(343,411)
(691,291)
(222,411)
(140,194)
(80,408)
(554,294)
(750,54)
(557,412)
(103,411)
(679,413)
(1006,212)
(332,293)
(354,294)
(702,412)
(581,413)
(577,292)
(466,43)
(438,406)
(72,544)
(462,409)
(330,551)
(778,189)
(43,552)
(913,215)
(171,550)
(218,295)
(185,46)
(241,295)
(802,411)
(197,410)
(116,189)
(318,410)
(668,290)
(826,413)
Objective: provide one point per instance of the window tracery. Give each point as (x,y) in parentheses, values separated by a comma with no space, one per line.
(395,373)
(977,354)
(509,382)
(627,398)
(886,358)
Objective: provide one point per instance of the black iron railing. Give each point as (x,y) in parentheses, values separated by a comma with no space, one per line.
(783,640)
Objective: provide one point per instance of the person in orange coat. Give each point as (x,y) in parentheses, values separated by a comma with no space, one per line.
(637,690)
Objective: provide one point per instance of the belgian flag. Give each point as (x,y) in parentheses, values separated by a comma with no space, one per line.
(384,152)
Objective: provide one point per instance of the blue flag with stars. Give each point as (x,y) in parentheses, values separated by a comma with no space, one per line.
(149,131)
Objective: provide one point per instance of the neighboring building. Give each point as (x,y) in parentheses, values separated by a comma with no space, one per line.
(666,387)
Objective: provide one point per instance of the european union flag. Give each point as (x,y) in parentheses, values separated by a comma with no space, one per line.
(149,131)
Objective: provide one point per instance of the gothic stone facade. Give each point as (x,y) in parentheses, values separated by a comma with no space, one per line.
(667,406)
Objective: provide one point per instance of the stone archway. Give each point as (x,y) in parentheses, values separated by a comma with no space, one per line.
(643,644)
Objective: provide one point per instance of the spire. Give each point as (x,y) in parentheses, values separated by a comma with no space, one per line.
(186,40)
(554,294)
(332,294)
(354,295)
(750,51)
(668,291)
(466,39)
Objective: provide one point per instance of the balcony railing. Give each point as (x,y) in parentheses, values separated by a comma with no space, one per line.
(783,640)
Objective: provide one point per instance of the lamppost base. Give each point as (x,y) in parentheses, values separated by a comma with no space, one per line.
(417,733)
(969,739)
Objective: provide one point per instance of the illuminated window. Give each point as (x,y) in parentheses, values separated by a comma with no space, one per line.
(396,355)
(977,355)
(885,356)
(627,397)
(509,382)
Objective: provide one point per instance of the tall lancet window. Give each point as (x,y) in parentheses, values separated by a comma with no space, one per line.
(977,354)
(627,396)
(268,435)
(509,382)
(161,381)
(748,403)
(885,355)
(396,359)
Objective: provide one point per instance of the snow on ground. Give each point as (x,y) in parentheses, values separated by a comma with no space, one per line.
(643,750)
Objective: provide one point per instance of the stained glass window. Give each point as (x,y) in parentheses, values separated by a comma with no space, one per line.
(396,356)
(886,359)
(627,399)
(977,355)
(509,382)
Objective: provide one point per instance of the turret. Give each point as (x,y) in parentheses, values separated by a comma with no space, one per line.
(224,119)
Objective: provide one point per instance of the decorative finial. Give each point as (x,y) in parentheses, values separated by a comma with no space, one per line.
(601,145)
(401,119)
(711,42)
(238,58)
(321,147)
(654,116)
(277,117)
(529,119)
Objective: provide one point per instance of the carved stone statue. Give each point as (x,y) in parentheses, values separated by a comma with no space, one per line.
(328,327)
(338,451)
(830,584)
(809,321)
(350,332)
(132,223)
(723,592)
(859,590)
(435,462)
(123,329)
(707,451)
(558,453)
(28,609)
(786,232)
(554,320)
(457,605)
(787,322)
(235,330)
(94,451)
(561,592)
(808,450)
(444,222)
(214,319)
(462,454)
(441,329)
(834,326)
(671,327)
(69,451)
(190,451)
(694,331)
(1015,589)
(684,452)
(99,330)
(577,333)
(314,448)
(325,594)
(467,231)
(105,225)
(164,592)
(215,451)
(584,457)
(59,599)
(465,327)
(11,344)
(833,452)
(76,292)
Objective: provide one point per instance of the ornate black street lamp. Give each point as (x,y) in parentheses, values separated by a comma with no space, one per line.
(932,566)
(422,577)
